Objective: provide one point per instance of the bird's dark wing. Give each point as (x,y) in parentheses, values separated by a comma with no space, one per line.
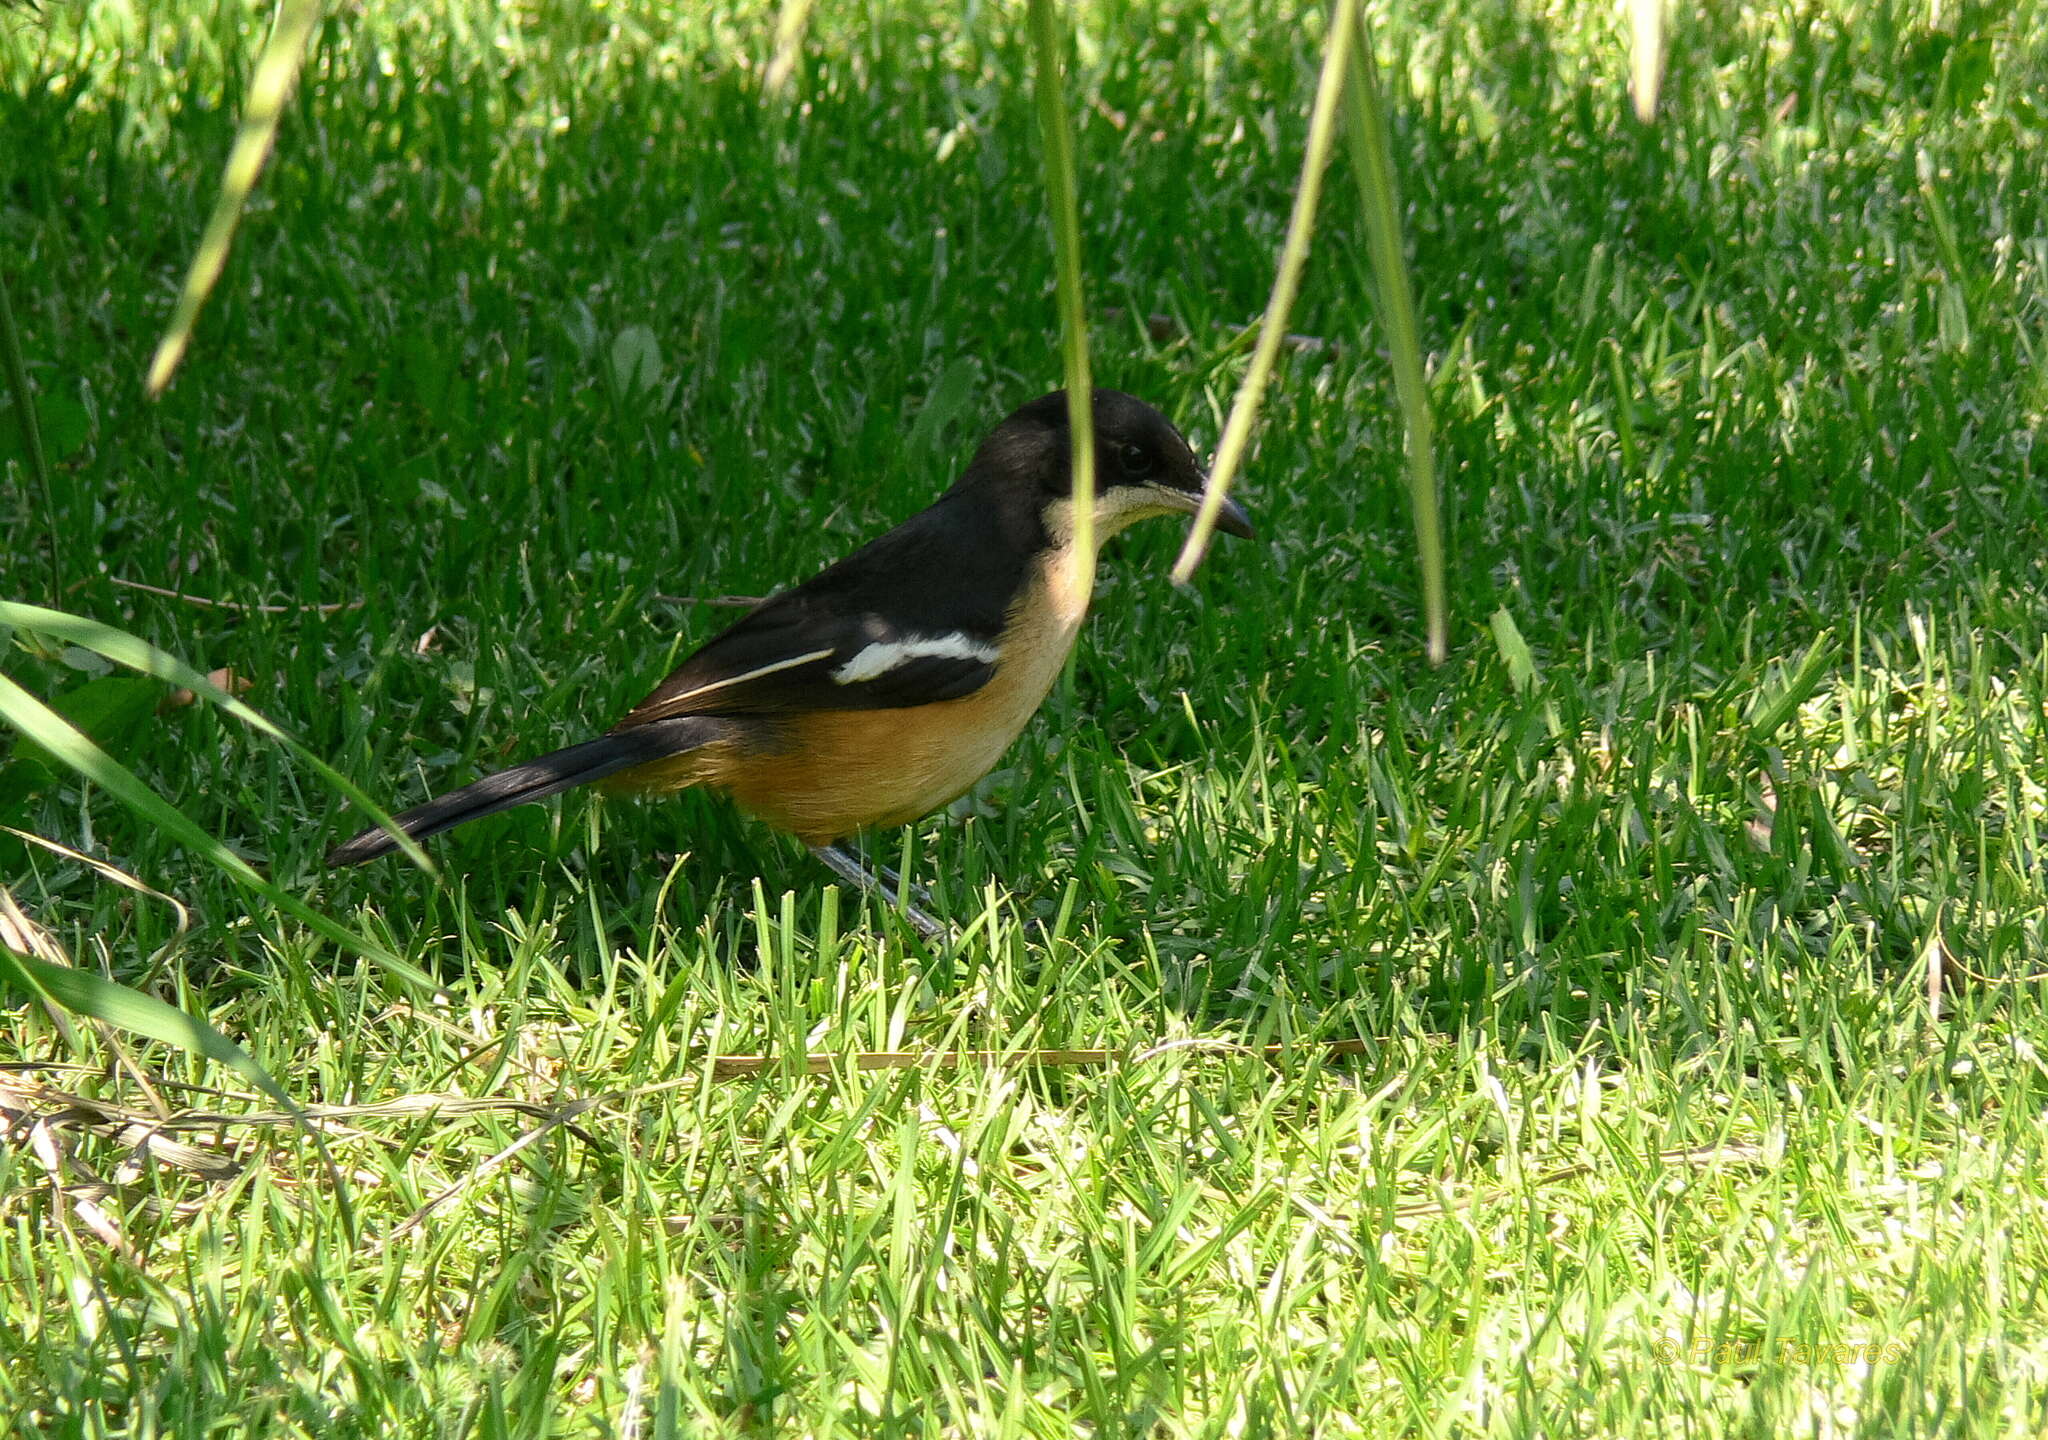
(790,657)
(911,619)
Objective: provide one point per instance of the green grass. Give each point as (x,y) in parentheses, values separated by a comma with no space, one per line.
(1763,378)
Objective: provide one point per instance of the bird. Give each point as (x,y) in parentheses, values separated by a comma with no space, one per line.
(886,685)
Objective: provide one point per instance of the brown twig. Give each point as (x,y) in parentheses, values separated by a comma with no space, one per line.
(1736,1154)
(731,602)
(236,605)
(728,1067)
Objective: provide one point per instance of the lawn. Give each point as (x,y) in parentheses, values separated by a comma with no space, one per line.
(1684,933)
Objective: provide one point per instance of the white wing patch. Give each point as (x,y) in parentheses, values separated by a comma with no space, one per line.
(883,656)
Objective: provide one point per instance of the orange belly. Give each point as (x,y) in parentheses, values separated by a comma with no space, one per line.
(847,770)
(827,774)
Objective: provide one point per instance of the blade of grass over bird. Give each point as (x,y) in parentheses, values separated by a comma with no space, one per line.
(1049,43)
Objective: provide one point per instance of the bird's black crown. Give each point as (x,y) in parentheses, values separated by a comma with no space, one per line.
(1135,445)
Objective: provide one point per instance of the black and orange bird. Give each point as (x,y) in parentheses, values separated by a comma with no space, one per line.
(884,686)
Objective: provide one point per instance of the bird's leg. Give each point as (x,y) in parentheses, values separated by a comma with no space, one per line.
(894,883)
(886,882)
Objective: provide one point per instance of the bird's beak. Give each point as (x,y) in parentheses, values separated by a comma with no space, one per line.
(1231,519)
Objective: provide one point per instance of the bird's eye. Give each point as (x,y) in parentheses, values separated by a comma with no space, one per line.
(1136,460)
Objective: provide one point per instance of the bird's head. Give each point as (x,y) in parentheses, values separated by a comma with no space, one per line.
(1142,465)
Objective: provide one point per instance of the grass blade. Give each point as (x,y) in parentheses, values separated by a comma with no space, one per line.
(1048,41)
(1646,56)
(276,69)
(51,731)
(83,993)
(1372,163)
(1514,651)
(790,25)
(141,656)
(1244,410)
(1806,677)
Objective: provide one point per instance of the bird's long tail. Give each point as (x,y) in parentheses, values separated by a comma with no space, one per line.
(537,779)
